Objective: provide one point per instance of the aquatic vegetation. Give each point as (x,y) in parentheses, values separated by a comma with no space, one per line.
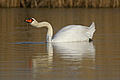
(60,3)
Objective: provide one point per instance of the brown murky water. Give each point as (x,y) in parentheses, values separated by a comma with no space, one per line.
(25,55)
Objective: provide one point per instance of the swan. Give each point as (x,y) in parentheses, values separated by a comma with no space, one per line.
(70,33)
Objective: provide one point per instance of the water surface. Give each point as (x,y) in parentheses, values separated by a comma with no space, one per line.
(25,55)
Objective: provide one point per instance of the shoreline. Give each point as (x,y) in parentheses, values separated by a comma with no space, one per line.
(59,3)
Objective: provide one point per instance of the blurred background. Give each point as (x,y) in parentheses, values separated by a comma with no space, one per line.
(60,3)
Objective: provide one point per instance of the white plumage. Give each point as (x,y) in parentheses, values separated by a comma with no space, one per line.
(70,33)
(73,33)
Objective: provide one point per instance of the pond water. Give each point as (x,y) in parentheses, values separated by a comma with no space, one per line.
(25,55)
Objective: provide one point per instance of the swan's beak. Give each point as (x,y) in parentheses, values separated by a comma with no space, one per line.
(29,20)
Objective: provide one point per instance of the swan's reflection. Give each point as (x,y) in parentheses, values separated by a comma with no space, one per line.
(43,61)
(79,54)
(75,51)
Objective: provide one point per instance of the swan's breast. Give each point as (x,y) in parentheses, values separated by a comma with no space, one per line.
(71,33)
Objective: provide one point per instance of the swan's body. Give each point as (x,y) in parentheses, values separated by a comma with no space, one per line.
(71,33)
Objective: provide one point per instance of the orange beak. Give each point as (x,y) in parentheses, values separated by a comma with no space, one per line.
(29,20)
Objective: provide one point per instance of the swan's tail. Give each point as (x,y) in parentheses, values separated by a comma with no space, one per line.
(91,30)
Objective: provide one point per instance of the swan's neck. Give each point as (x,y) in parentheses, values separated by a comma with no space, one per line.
(49,32)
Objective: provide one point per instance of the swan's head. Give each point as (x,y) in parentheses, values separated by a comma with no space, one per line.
(32,22)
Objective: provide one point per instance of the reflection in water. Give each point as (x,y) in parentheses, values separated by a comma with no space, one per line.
(42,62)
(81,54)
(75,51)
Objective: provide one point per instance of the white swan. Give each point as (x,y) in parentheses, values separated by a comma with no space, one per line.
(70,33)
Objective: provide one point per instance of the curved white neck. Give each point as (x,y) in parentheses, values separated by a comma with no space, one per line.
(44,24)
